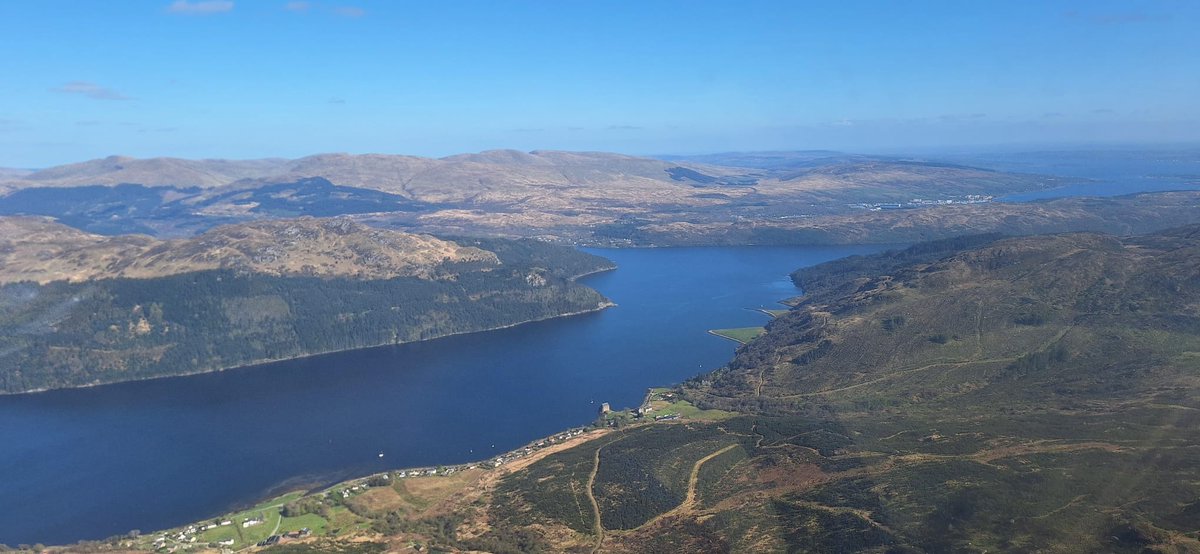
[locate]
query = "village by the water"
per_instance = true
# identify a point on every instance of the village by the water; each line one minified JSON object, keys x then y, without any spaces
{"x":245,"y":529}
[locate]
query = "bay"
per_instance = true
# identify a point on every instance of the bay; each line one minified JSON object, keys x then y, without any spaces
{"x":95,"y":462}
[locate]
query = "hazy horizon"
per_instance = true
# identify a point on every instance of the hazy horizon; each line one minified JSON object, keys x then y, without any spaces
{"x":935,"y":151}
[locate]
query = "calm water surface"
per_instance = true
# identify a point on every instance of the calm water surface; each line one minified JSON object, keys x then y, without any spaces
{"x":1104,"y":173}
{"x":91,"y":463}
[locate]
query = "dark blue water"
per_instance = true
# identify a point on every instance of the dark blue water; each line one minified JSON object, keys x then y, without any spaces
{"x":91,"y":463}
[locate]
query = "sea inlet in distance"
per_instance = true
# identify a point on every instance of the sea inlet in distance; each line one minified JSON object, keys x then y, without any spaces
{"x":96,"y":462}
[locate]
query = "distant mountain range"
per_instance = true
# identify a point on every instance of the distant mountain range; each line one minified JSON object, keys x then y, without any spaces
{"x":411,"y":176}
{"x":574,"y":196}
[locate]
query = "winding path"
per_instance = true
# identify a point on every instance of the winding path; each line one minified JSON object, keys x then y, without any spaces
{"x":689,"y":501}
{"x":597,"y":526}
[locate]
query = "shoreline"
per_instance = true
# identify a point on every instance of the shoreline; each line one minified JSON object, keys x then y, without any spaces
{"x":604,"y":305}
{"x":592,"y":272}
{"x":495,"y":466}
{"x":716,"y":334}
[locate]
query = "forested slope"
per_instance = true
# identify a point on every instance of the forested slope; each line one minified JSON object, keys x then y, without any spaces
{"x":239,"y":295}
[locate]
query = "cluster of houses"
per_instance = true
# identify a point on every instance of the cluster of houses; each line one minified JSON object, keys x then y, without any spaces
{"x":430,"y":471}
{"x":443,"y":471}
{"x":920,"y":202}
{"x":187,"y":535}
{"x":647,"y":406}
{"x":276,"y":539}
{"x":521,"y":453}
{"x":362,"y":485}
{"x":303,"y":532}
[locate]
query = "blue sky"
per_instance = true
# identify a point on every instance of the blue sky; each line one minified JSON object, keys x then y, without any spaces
{"x":243,"y":79}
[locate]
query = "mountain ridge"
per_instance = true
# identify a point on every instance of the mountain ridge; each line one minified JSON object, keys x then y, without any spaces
{"x":581,"y":197}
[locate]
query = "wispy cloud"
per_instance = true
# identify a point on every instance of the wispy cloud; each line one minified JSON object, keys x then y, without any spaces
{"x":349,"y":11}
{"x":200,"y":7}
{"x":1122,"y":18}
{"x":12,"y":125}
{"x":624,"y":128}
{"x":90,"y":90}
{"x":957,"y":118}
{"x":336,"y":100}
{"x":301,"y":6}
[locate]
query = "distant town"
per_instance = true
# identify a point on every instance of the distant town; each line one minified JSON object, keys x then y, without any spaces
{"x":922,"y":203}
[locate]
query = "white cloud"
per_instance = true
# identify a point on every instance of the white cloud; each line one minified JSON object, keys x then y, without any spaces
{"x":90,"y":90}
{"x":200,"y":7}
{"x":350,"y":11}
{"x":297,"y":6}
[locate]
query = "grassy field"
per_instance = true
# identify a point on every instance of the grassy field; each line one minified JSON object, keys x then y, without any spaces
{"x":273,"y":523}
{"x":664,"y":402}
{"x":739,"y":334}
{"x":313,"y":522}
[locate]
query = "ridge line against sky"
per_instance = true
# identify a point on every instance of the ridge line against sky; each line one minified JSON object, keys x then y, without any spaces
{"x":267,"y":78}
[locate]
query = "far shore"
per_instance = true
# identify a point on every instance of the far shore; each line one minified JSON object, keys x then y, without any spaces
{"x":253,"y":363}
